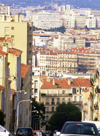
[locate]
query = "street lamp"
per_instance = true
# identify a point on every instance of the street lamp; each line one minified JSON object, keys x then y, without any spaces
{"x":20,"y":91}
{"x":28,"y":100}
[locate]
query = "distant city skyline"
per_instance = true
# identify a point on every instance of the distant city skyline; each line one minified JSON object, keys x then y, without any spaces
{"x":74,"y":3}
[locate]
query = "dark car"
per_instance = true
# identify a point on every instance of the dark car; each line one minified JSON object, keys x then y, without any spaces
{"x":25,"y":131}
{"x":72,"y":128}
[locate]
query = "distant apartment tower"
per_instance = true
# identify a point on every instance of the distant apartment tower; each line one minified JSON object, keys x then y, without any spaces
{"x":46,"y":20}
{"x":5,"y":9}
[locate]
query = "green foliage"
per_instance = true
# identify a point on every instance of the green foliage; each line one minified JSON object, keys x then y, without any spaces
{"x":41,"y":111}
{"x":96,"y":119}
{"x":58,"y":29}
{"x":2,"y":118}
{"x":64,"y":112}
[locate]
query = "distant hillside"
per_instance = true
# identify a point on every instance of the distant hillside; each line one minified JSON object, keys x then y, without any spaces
{"x":93,"y":4}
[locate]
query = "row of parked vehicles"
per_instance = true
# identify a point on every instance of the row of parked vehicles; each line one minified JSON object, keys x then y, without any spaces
{"x":70,"y":128}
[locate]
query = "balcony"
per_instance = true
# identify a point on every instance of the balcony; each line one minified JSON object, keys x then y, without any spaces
{"x":47,"y":103}
{"x":52,"y":103}
{"x":58,"y":103}
{"x":77,"y":102}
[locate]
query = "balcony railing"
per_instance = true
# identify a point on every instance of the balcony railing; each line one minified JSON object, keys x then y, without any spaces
{"x":47,"y":103}
{"x":52,"y":103}
{"x":58,"y":103}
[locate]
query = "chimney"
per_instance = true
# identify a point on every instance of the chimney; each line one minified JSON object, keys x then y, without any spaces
{"x":21,"y":18}
{"x":48,"y":79}
{"x":5,"y":48}
{"x":53,"y":81}
{"x":69,"y":81}
{"x":16,"y":17}
{"x":3,"y":17}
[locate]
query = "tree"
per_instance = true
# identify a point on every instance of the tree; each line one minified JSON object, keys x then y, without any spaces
{"x":40,"y":108}
{"x":2,"y":118}
{"x":64,"y":112}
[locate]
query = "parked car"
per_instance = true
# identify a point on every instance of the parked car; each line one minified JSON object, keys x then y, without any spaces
{"x":47,"y":133}
{"x":78,"y":128}
{"x":54,"y":133}
{"x":38,"y":132}
{"x":97,"y":123}
{"x":24,"y":131}
{"x":4,"y":131}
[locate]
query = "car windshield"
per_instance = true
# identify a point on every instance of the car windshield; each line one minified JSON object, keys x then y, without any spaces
{"x":79,"y":128}
{"x":24,"y":131}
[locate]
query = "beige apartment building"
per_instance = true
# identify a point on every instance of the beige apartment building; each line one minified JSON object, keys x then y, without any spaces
{"x":25,"y":108}
{"x":55,"y":91}
{"x":21,"y":32}
{"x":46,"y":20}
{"x":5,"y":9}
{"x":4,"y":86}
{"x":14,"y":85}
{"x":91,"y":99}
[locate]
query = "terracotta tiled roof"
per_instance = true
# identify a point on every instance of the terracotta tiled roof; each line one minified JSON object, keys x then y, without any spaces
{"x":48,"y":35}
{"x":1,"y":88}
{"x":11,"y":50}
{"x":24,"y":70}
{"x":87,"y":90}
{"x":3,"y":53}
{"x":12,"y":90}
{"x":79,"y":82}
{"x":82,"y":82}
{"x":15,"y":51}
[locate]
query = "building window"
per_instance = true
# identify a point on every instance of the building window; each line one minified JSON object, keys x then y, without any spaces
{"x":74,"y":98}
{"x":30,"y":53}
{"x":30,"y":29}
{"x":35,"y":90}
{"x":63,"y":100}
{"x":47,"y":92}
{"x":7,"y":30}
{"x":68,"y":99}
{"x":80,"y":98}
{"x":12,"y":28}
{"x":30,"y":37}
{"x":47,"y":109}
{"x":30,"y":44}
{"x":74,"y":90}
{"x":80,"y":90}
{"x":63,"y":92}
{"x":30,"y":61}
{"x":52,"y":109}
{"x":58,"y":101}
{"x":52,"y":101}
{"x":12,"y":36}
{"x":47,"y":118}
{"x":57,"y":92}
{"x":52,"y":92}
{"x":47,"y":101}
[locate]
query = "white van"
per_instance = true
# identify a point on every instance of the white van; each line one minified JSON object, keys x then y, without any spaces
{"x":4,"y":131}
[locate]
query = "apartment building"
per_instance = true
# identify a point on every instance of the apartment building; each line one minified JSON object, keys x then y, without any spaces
{"x":91,"y":102}
{"x":36,"y":83}
{"x":55,"y":91}
{"x":25,"y":108}
{"x":14,"y":84}
{"x":5,"y":9}
{"x":73,"y":60}
{"x":21,"y":33}
{"x":5,"y":90}
{"x":46,"y":20}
